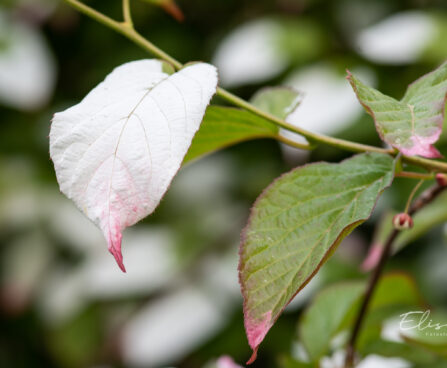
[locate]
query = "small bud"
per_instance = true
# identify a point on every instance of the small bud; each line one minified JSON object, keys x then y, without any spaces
{"x":441,"y":179}
{"x":402,"y":221}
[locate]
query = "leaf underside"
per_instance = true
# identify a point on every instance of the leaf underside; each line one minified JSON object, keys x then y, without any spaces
{"x":116,"y":152}
{"x":295,"y":225}
{"x":414,"y":123}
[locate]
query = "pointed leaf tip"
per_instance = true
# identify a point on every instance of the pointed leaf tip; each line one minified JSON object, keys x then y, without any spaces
{"x":114,"y":245}
{"x":256,"y":330}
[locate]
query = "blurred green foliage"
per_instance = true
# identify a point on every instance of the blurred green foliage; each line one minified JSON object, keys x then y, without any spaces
{"x":43,"y":247}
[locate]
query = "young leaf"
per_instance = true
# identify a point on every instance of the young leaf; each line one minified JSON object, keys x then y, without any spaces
{"x":278,"y":101}
{"x":413,"y":124}
{"x":295,"y":225}
{"x":225,"y":126}
{"x":116,"y":152}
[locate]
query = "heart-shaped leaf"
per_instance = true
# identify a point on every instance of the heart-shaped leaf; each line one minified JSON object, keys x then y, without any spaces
{"x":116,"y":152}
{"x":295,"y":225}
{"x":413,"y":124}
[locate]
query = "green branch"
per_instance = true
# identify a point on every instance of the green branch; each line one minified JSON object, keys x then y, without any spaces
{"x":126,"y":13}
{"x":126,"y":29}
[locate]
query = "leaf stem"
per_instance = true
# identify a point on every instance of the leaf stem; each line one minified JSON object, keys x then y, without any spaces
{"x":126,"y":29}
{"x":126,"y":13}
{"x":292,"y":143}
{"x":424,"y":199}
{"x":414,"y":175}
{"x":412,"y":194}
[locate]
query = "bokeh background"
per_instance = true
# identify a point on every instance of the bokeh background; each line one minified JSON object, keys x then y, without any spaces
{"x":63,"y":301}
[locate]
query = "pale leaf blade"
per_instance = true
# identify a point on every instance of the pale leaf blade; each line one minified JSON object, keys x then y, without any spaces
{"x":116,"y":152}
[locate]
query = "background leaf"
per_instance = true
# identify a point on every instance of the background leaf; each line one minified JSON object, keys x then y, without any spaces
{"x":225,"y":126}
{"x":295,"y":225}
{"x":326,"y":315}
{"x":426,"y":219}
{"x":333,"y":310}
{"x":278,"y":101}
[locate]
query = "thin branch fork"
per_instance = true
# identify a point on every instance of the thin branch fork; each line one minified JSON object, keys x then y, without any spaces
{"x":424,"y":199}
{"x":127,"y":29}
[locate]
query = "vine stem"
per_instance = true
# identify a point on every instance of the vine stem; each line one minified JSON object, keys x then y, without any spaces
{"x":424,"y":199}
{"x":126,"y":13}
{"x":414,"y":175}
{"x":126,"y":29}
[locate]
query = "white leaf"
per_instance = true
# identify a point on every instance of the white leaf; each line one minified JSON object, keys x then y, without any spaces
{"x":117,"y":151}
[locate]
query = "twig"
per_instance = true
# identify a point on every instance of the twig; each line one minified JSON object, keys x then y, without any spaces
{"x":425,"y":198}
{"x":129,"y":31}
{"x":414,"y":175}
{"x":126,"y":13}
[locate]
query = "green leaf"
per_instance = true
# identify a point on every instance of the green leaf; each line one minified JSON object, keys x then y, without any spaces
{"x":427,"y":329}
{"x":225,"y":126}
{"x":333,"y":310}
{"x":413,"y":124}
{"x":278,"y":101}
{"x":396,"y":293}
{"x":294,"y":227}
{"x":289,"y":362}
{"x":396,"y":289}
{"x":395,"y":349}
{"x":328,"y":311}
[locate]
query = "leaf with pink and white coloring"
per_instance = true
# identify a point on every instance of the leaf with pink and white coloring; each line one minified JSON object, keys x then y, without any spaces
{"x":117,"y":151}
{"x":414,"y":123}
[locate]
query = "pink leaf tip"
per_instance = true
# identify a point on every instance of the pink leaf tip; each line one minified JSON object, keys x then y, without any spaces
{"x":373,"y":257}
{"x":256,"y":331}
{"x":114,"y":241}
{"x":422,"y":146}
